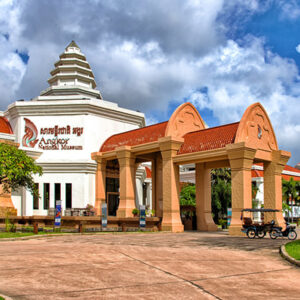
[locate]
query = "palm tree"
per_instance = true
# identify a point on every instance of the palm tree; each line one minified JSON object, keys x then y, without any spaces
{"x":290,"y":192}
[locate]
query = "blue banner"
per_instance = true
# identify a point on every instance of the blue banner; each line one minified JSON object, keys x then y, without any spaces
{"x":104,"y":215}
{"x":229,"y":216}
{"x":57,"y":220}
{"x":142,"y":216}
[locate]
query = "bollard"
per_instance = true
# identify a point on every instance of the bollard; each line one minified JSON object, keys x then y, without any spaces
{"x":35,"y":228}
{"x":80,"y":228}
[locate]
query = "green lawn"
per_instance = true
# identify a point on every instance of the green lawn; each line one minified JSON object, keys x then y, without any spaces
{"x":4,"y":235}
{"x":293,"y":249}
{"x":14,"y":234}
{"x":1,"y":298}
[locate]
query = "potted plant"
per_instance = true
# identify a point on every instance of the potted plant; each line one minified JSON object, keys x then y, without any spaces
{"x":223,"y":223}
{"x":90,"y":210}
{"x":135,"y":212}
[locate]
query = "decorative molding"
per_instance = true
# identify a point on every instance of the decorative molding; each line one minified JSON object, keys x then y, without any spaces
{"x":75,"y":107}
{"x":6,"y":136}
{"x":60,"y":167}
{"x":256,"y":129}
{"x":185,"y":119}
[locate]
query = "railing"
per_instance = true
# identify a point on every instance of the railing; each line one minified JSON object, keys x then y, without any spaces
{"x":84,"y":222}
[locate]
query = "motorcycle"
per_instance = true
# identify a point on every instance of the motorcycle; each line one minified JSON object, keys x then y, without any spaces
{"x":258,"y":229}
{"x":289,"y":232}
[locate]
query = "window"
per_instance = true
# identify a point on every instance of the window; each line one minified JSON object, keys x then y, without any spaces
{"x":36,"y":196}
{"x":46,"y":195}
{"x":68,"y":195}
{"x":57,"y":192}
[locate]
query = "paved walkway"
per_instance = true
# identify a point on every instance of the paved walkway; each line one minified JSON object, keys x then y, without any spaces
{"x":190,"y":265}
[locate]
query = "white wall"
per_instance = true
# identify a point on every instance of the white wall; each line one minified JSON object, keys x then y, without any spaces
{"x":96,"y":129}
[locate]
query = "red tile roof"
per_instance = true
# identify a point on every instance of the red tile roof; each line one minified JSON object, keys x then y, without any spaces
{"x":208,"y":139}
{"x":135,"y":137}
{"x":260,"y":173}
{"x":291,"y":169}
{"x":148,"y":172}
{"x":5,"y":126}
{"x":257,"y":173}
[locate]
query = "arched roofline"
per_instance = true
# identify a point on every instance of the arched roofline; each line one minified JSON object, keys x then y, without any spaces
{"x":184,"y":119}
{"x":253,"y":115}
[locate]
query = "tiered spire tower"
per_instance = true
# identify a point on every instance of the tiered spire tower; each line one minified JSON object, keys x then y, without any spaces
{"x":72,"y":75}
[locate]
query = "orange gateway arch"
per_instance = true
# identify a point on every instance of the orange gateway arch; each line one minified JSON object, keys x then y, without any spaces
{"x":184,"y":139}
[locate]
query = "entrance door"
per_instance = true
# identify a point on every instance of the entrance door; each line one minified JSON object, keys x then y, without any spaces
{"x":113,"y":200}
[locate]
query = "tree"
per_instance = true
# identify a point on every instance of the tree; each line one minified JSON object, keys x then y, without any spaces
{"x":290,"y":192}
{"x":221,"y":192}
{"x":188,"y":195}
{"x":16,"y":169}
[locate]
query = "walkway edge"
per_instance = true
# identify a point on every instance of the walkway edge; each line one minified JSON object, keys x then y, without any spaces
{"x":5,"y":297}
{"x":286,"y":256}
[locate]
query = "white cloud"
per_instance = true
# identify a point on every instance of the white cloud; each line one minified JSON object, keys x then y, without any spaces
{"x":298,"y":48}
{"x":289,"y":9}
{"x":12,"y":68}
{"x":239,"y":76}
{"x":144,"y":56}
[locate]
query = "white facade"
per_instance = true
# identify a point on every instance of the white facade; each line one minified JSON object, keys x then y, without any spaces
{"x":62,"y":127}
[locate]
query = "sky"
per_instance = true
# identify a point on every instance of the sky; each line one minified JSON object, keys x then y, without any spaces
{"x":152,"y":56}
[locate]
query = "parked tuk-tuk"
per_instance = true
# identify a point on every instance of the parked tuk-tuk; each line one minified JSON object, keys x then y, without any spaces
{"x":256,"y":228}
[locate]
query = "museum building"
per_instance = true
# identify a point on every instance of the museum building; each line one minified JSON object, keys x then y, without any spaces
{"x":94,"y":152}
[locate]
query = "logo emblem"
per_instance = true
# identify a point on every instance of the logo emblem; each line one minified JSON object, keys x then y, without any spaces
{"x":31,"y":133}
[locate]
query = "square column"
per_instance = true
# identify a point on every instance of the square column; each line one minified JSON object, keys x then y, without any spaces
{"x":100,"y":182}
{"x":127,"y":181}
{"x":158,"y":186}
{"x":203,"y":199}
{"x":273,"y":185}
{"x":241,"y":160}
{"x":170,"y":172}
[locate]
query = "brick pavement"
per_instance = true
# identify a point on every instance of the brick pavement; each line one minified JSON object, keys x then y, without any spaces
{"x":190,"y":265}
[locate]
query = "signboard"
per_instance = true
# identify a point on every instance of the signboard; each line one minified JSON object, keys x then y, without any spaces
{"x":57,"y":220}
{"x":104,"y":216}
{"x":229,"y":216}
{"x":142,"y":216}
{"x":53,"y":137}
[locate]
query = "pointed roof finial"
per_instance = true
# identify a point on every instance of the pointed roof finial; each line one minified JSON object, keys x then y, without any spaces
{"x":72,"y":44}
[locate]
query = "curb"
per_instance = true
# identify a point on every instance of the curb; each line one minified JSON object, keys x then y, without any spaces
{"x":5,"y":297}
{"x":36,"y":236}
{"x":285,"y":255}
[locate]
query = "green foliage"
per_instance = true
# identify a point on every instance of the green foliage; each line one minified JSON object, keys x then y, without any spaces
{"x":9,"y":226}
{"x":135,"y":211}
{"x":16,"y":169}
{"x":286,"y":208}
{"x":223,"y":222}
{"x":290,"y":190}
{"x":221,"y":192}
{"x":188,"y":195}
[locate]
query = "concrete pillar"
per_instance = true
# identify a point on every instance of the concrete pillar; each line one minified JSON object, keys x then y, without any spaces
{"x":171,"y":210}
{"x":153,"y":183}
{"x":100,"y":184}
{"x":273,"y":185}
{"x":158,"y":186}
{"x":241,"y":160}
{"x":6,"y":204}
{"x":205,"y":221}
{"x":127,"y":181}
